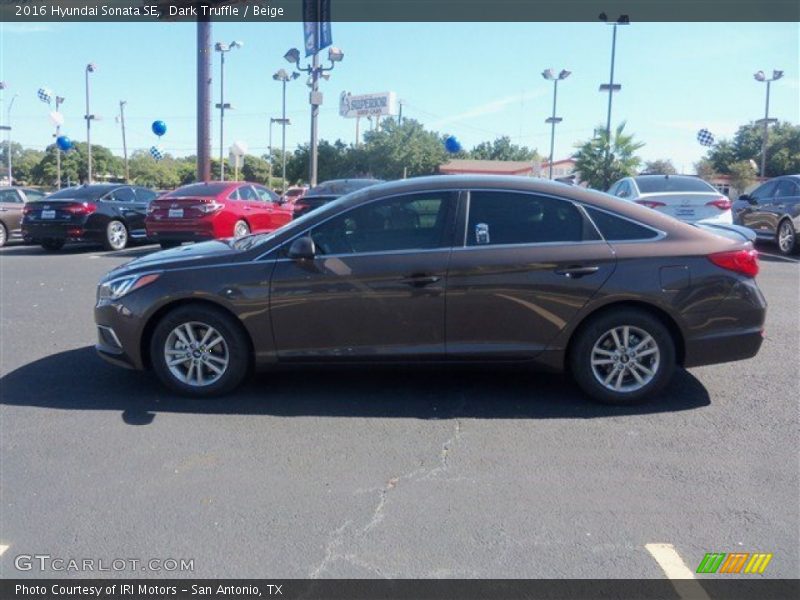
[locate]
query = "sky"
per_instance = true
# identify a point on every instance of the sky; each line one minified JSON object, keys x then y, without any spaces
{"x":476,"y":81}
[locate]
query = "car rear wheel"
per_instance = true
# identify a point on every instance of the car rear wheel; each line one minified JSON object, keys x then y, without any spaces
{"x":623,"y":357}
{"x":3,"y":235}
{"x":241,"y":229}
{"x":787,"y":238}
{"x":199,"y":351}
{"x":116,"y":235}
{"x":53,"y":245}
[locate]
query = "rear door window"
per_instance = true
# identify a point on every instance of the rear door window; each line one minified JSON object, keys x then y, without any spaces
{"x":787,"y":189}
{"x":10,"y":197}
{"x":498,"y":218}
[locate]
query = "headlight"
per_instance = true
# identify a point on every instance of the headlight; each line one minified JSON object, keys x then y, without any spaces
{"x":117,"y":288}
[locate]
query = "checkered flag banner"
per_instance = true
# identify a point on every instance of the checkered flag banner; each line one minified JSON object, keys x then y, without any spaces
{"x":705,"y":137}
{"x":156,"y":152}
{"x":45,"y":95}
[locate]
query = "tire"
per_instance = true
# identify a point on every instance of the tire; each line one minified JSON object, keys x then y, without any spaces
{"x":595,"y":342}
{"x":3,"y":235}
{"x":786,"y":238}
{"x":233,"y":351}
{"x":52,"y":245}
{"x":168,"y":245}
{"x":241,"y":229}
{"x":116,"y":237}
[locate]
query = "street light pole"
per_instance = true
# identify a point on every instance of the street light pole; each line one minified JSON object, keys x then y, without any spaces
{"x":122,"y":104}
{"x":90,"y":68}
{"x":766,"y":120}
{"x":550,"y":75}
{"x":223,"y":49}
{"x":8,"y":139}
{"x":315,"y":97}
{"x":611,"y":87}
{"x":59,"y":101}
{"x":284,"y":77}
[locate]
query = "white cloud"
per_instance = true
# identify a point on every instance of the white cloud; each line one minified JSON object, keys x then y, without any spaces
{"x":489,"y":108}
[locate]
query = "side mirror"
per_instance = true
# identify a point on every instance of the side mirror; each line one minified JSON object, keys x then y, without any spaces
{"x":303,"y":248}
{"x":747,"y":198}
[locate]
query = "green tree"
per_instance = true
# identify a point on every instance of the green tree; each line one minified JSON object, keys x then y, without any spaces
{"x":743,"y":174}
{"x":704,"y":169}
{"x":397,"y":150}
{"x":600,"y":165}
{"x":783,"y":149}
{"x":255,"y":169}
{"x":661,"y":166}
{"x":503,"y":149}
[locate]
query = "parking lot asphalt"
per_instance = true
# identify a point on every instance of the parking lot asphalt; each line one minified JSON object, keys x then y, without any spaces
{"x":382,"y":472}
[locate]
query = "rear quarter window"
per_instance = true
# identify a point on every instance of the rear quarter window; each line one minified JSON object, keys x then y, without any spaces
{"x":618,"y":229}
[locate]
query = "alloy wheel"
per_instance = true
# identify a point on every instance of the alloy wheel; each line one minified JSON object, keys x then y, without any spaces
{"x":3,"y":237}
{"x":241,"y":229}
{"x":117,"y":235}
{"x":625,"y":359}
{"x":786,"y":237}
{"x":196,"y":354}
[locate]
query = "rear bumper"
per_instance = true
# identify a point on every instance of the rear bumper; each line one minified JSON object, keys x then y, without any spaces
{"x":196,"y":231}
{"x":723,"y":347}
{"x":58,"y":231}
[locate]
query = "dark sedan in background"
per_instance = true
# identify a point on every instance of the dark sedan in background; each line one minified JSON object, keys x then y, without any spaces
{"x":111,"y":214}
{"x":772,"y":211}
{"x":448,"y":268}
{"x":328,"y":191}
{"x":12,"y":201}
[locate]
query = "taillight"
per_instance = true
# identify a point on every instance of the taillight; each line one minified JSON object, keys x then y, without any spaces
{"x":744,"y":262}
{"x":27,"y":209}
{"x":85,"y":208}
{"x":721,"y":203}
{"x":209,"y":207}
{"x":650,"y":203}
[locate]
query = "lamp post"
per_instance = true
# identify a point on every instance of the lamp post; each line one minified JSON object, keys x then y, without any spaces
{"x":283,"y":122}
{"x":7,"y":127}
{"x":59,"y":102}
{"x":90,"y":68}
{"x":223,"y":49}
{"x":284,"y":78}
{"x":315,"y":71}
{"x":122,"y":104}
{"x":550,"y":75}
{"x":611,"y":87}
{"x":766,"y":120}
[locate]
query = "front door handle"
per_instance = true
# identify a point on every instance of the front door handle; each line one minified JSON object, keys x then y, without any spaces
{"x":420,"y":280}
{"x":577,"y":271}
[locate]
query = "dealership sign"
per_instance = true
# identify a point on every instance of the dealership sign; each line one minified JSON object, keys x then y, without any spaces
{"x":367,"y":105}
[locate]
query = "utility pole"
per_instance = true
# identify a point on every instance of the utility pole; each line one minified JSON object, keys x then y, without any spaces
{"x":203,"y":99}
{"x":122,"y":104}
{"x":90,"y":68}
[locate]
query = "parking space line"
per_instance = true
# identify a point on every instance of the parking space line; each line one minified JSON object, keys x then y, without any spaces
{"x":3,"y":548}
{"x":778,"y":256}
{"x":682,"y":578}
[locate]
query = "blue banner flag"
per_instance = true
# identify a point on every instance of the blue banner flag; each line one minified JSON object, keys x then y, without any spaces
{"x":316,"y":25}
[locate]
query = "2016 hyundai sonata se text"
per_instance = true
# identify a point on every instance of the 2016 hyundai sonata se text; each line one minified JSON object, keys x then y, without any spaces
{"x":449,"y":269}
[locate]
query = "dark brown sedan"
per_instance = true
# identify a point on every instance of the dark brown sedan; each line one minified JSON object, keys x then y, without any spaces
{"x":12,"y":201}
{"x":451,"y":269}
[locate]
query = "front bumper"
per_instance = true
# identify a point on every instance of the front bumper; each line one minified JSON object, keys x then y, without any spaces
{"x":118,"y":335}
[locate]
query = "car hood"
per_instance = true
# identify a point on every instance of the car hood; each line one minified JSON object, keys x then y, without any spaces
{"x":201,"y":253}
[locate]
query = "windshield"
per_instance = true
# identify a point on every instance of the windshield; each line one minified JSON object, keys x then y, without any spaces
{"x":654,"y":185}
{"x":199,"y":189}
{"x":81,"y":193}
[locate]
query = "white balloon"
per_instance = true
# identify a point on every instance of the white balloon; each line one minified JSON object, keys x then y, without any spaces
{"x":239,"y":148}
{"x":56,"y":118}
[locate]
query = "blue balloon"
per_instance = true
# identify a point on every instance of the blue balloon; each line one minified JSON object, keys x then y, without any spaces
{"x":452,"y":145}
{"x":64,"y":143}
{"x":159,"y":128}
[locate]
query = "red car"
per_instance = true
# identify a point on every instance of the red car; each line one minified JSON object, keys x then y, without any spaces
{"x":212,"y":210}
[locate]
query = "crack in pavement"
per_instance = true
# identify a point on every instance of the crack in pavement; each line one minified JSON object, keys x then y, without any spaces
{"x":338,"y":537}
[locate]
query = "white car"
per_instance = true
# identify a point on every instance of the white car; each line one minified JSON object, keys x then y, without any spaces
{"x":686,"y":198}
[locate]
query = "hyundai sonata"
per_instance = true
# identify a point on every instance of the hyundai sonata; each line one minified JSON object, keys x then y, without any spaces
{"x":451,"y":269}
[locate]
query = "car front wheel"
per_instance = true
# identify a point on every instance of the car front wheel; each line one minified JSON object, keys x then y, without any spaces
{"x":623,"y":357}
{"x":787,"y":238}
{"x":199,"y":351}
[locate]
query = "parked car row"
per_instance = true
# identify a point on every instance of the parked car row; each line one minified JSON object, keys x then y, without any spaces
{"x":771,"y":211}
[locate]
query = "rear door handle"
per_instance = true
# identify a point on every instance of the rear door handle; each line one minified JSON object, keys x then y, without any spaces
{"x":420,"y":280}
{"x":577,"y":271}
